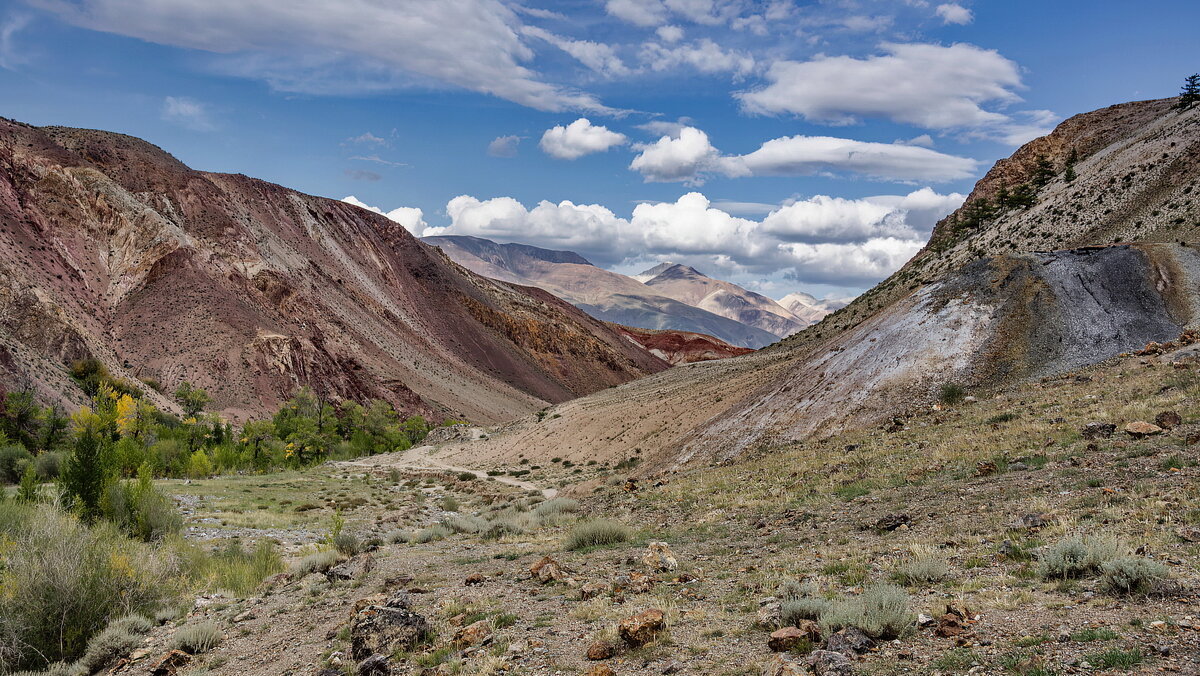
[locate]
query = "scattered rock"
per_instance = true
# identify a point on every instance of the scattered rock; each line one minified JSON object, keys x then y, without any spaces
{"x":633,"y":583}
{"x":1168,"y":420}
{"x":547,"y":570}
{"x":892,"y":522}
{"x":386,"y":628}
{"x":171,"y":663}
{"x":591,"y":590}
{"x":672,"y":667}
{"x":786,"y":665}
{"x":244,"y":615}
{"x":1098,"y":430}
{"x":642,"y":628}
{"x":849,"y":641}
{"x":1031,"y":521}
{"x":924,"y":620}
{"x":769,"y":613}
{"x":1017,"y":467}
{"x":986,"y":468}
{"x":476,"y":633}
{"x":659,"y":557}
{"x":829,"y":663}
{"x":375,"y":665}
{"x":787,"y":638}
{"x":474,"y":579}
{"x":1189,"y":533}
{"x":600,"y":670}
{"x":1139,"y":429}
{"x":351,"y":569}
{"x":601,"y":650}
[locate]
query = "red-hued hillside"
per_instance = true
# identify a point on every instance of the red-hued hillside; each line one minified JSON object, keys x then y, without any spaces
{"x":110,"y":247}
{"x":682,"y":347}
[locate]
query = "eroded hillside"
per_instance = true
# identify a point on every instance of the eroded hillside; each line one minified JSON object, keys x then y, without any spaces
{"x":110,"y":247}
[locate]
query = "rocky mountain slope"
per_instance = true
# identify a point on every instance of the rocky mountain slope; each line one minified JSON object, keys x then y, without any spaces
{"x":603,"y":294}
{"x":682,"y":347}
{"x":1013,"y":294}
{"x":111,"y":248}
{"x":688,"y":285}
{"x":810,"y":310}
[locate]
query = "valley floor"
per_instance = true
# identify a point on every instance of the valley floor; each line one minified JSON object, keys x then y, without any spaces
{"x":967,"y":498}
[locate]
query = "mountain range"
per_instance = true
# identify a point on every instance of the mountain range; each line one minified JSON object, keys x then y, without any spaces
{"x":668,"y":296}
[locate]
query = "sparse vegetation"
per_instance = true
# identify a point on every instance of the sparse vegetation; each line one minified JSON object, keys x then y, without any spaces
{"x":1076,"y":557}
{"x":596,"y":533}
{"x":198,"y":637}
{"x":1132,"y":575}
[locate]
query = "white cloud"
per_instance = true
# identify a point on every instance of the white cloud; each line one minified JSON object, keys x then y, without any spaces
{"x":1027,"y":125}
{"x":690,"y":157}
{"x":186,"y":112}
{"x":665,"y":128}
{"x":638,"y":12}
{"x":925,"y":85}
{"x":685,"y":157}
{"x":316,"y":46}
{"x":597,"y":56}
{"x":804,"y":155}
{"x":10,"y":55}
{"x":579,"y":138}
{"x":367,"y":139}
{"x":504,"y":146}
{"x":954,"y":13}
{"x":377,"y":160}
{"x":412,"y":218}
{"x":819,"y":240}
{"x":703,"y":55}
{"x":669,"y":33}
{"x":923,"y":140}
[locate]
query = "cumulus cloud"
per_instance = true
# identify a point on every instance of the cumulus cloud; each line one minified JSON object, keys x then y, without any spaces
{"x":349,"y":46}
{"x":412,"y":218}
{"x":669,"y":33}
{"x":704,"y":55}
{"x":187,"y":112}
{"x":926,"y":85}
{"x":579,"y":138}
{"x":954,"y":13}
{"x":690,"y":157}
{"x":504,"y":146}
{"x":820,"y":239}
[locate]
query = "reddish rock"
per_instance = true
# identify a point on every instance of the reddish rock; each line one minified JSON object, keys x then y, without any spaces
{"x":1141,"y":429}
{"x":642,"y":628}
{"x":1168,"y":420}
{"x":547,"y":570}
{"x":601,"y":650}
{"x":681,"y":347}
{"x":474,"y":579}
{"x":171,"y":663}
{"x":600,"y":670}
{"x":476,"y":633}
{"x":788,"y":638}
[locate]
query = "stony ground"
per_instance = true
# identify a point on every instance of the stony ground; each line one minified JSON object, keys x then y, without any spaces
{"x":975,"y":491}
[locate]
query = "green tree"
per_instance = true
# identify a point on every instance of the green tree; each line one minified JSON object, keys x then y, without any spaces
{"x":1043,"y":172}
{"x":191,"y":399}
{"x":1190,"y":94}
{"x":255,"y":433}
{"x":28,"y":490}
{"x":86,"y":475}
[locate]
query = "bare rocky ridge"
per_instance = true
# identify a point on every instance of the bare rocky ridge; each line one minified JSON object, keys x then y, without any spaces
{"x":110,"y":247}
{"x":688,"y":285}
{"x":682,"y":347}
{"x":980,"y":309}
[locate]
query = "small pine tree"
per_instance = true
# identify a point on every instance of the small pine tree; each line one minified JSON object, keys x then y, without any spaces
{"x":1190,"y":94}
{"x":1043,"y":172}
{"x":28,"y":490}
{"x":1069,"y":172}
{"x":86,"y":473}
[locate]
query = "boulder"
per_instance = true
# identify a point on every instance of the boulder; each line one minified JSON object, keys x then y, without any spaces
{"x":386,"y":628}
{"x":633,"y":583}
{"x":375,"y":665}
{"x":1098,"y":430}
{"x":351,"y":569}
{"x":786,"y":665}
{"x":1168,"y":420}
{"x":547,"y":570}
{"x":1140,"y":429}
{"x":642,"y":628}
{"x":474,"y":579}
{"x":849,"y":641}
{"x":601,"y":650}
{"x":788,"y":638}
{"x":769,"y":614}
{"x":659,"y":557}
{"x":171,"y":663}
{"x":591,"y":590}
{"x":476,"y":633}
{"x":829,"y":663}
{"x":600,"y":670}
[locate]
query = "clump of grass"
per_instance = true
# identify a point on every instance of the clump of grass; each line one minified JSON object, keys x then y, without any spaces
{"x":1132,"y":575}
{"x":318,"y":562}
{"x":596,"y":533}
{"x":1097,"y":634}
{"x":1115,"y":659}
{"x":1001,"y":418}
{"x":882,"y":611}
{"x":952,"y":393}
{"x":557,"y":507}
{"x":957,"y":660}
{"x":431,"y":534}
{"x":465,"y":524}
{"x":197,"y":638}
{"x":923,"y":568}
{"x":1076,"y":557}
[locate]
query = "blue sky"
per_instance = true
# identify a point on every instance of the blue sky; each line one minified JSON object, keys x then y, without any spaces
{"x":786,"y":145}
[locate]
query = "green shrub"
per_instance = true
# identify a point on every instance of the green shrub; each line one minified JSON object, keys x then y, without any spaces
{"x":397,"y":536}
{"x":12,"y":462}
{"x":450,"y":503}
{"x":48,"y":464}
{"x":921,"y":569}
{"x":1132,"y":575}
{"x":198,"y":637}
{"x":465,"y":524}
{"x":48,"y":613}
{"x":596,"y":533}
{"x":556,"y":507}
{"x":436,"y":532}
{"x":951,"y":393}
{"x":318,"y":562}
{"x":1115,"y":659}
{"x":1076,"y":557}
{"x":882,"y":611}
{"x":118,"y":639}
{"x":140,"y":509}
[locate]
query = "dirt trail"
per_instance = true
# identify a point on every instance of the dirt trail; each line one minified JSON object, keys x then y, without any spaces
{"x":421,"y":458}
